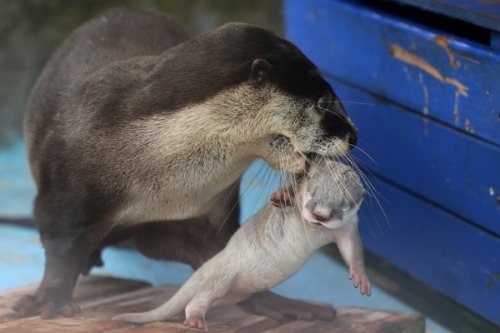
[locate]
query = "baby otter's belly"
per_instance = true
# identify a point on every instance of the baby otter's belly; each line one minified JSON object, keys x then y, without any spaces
{"x":264,"y":268}
{"x":264,"y":278}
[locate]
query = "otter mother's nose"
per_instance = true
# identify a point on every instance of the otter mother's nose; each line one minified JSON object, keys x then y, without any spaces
{"x":335,"y":120}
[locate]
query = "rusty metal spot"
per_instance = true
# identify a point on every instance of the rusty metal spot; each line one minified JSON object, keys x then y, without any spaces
{"x":443,"y":42}
{"x":403,"y":55}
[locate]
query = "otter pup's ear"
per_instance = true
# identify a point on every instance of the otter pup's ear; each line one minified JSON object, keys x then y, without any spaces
{"x":260,"y":71}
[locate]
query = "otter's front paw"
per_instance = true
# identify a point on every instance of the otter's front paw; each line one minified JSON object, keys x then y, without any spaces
{"x":361,"y":281}
{"x":281,"y":199}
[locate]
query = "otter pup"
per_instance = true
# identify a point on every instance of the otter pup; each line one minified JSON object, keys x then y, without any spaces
{"x":136,"y":132}
{"x":273,"y":245}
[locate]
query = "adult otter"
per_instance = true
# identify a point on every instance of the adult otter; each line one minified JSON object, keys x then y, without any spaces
{"x":273,"y":245}
{"x":131,"y":125}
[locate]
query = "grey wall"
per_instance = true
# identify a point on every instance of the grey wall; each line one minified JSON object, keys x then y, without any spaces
{"x":30,"y":30}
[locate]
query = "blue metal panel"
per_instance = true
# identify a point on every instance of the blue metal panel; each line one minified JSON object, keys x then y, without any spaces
{"x":459,"y":260}
{"x":450,"y":168}
{"x":482,"y":13}
{"x":427,"y":159}
{"x":441,"y":77}
{"x":434,"y":133}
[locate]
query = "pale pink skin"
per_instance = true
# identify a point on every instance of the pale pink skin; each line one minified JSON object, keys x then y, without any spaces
{"x":196,"y":322}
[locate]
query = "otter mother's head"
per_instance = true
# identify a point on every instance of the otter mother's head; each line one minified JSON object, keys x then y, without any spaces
{"x":307,"y":116}
{"x":264,"y":87}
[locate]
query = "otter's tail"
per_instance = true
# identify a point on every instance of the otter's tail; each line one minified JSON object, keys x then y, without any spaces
{"x":167,"y":310}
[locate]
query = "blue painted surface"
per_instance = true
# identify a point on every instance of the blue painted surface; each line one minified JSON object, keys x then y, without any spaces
{"x":461,"y":180}
{"x":435,"y":142}
{"x":438,"y":248}
{"x":360,"y":53}
{"x":446,"y":166}
{"x":482,"y":13}
{"x":16,"y":186}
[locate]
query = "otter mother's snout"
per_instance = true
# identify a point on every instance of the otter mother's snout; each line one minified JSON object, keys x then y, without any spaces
{"x":335,"y":121}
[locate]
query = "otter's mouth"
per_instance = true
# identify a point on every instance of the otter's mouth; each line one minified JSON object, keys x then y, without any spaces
{"x":316,"y":224}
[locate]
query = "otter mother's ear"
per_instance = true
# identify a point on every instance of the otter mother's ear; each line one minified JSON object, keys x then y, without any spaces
{"x":260,"y":71}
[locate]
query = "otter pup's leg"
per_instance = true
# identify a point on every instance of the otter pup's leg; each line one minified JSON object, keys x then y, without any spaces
{"x":281,"y":199}
{"x":351,"y":248}
{"x":213,"y":289}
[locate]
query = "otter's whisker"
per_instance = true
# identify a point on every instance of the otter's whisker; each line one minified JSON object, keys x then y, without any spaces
{"x":357,"y":103}
{"x":365,"y":153}
{"x":226,"y":218}
{"x":371,"y":190}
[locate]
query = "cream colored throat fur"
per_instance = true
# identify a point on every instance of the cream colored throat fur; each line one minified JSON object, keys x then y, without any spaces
{"x":225,"y":134}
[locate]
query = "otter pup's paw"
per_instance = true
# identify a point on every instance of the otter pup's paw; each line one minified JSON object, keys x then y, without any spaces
{"x":29,"y":305}
{"x":285,"y":309}
{"x":361,"y":281}
{"x":281,"y":199}
{"x":196,"y":322}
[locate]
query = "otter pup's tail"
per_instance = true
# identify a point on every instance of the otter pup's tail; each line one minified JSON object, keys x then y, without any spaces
{"x":167,"y":310}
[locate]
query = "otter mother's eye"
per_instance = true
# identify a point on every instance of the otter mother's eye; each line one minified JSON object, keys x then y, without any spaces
{"x":330,"y":103}
{"x":322,"y":105}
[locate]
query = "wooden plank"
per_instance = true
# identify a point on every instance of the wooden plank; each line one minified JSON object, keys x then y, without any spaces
{"x":350,"y":319}
{"x":438,"y":75}
{"x":100,"y":307}
{"x":439,"y":249}
{"x":447,"y":167}
{"x":94,"y":288}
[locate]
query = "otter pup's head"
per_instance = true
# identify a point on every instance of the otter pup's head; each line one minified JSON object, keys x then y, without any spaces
{"x":331,"y":194}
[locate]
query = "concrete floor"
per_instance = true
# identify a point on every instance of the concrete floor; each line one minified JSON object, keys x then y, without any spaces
{"x":21,"y":256}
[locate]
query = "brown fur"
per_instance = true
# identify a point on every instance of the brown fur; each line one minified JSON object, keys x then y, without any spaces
{"x":133,"y":131}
